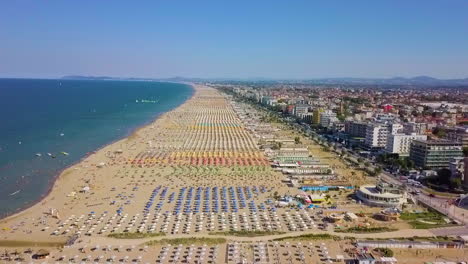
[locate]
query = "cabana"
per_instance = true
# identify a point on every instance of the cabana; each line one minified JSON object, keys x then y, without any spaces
{"x":41,"y":254}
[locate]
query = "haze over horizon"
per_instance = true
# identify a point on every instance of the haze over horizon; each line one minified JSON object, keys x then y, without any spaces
{"x":241,"y":39}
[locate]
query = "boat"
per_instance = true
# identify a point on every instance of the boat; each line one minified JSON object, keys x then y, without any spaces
{"x":65,"y":153}
{"x":62,"y":134}
{"x":52,"y":156}
{"x":146,"y":101}
{"x":38,"y":154}
{"x":15,"y":192}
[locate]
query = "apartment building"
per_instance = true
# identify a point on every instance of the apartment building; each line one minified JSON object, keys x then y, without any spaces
{"x":459,"y":134}
{"x":400,"y":143}
{"x":434,"y":154}
{"x":376,"y":135}
{"x":327,"y":118}
{"x":356,"y":129}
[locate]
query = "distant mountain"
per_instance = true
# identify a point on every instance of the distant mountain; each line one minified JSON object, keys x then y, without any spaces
{"x":414,"y":81}
{"x":418,"y":80}
{"x":80,"y":77}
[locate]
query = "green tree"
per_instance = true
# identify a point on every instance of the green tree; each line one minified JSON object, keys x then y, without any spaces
{"x":297,"y":140}
{"x":456,"y":183}
{"x":440,"y":132}
{"x":377,"y":170}
{"x":443,"y":176}
{"x":465,"y":151}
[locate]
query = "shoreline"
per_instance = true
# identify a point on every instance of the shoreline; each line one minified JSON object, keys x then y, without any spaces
{"x":53,"y":180}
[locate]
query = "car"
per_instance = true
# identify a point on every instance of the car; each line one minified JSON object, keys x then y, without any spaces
{"x":431,"y":195}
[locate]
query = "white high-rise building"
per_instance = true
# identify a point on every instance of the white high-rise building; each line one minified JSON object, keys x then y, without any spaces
{"x":301,"y":109}
{"x":400,"y":143}
{"x":395,"y":128}
{"x":376,"y":135}
{"x":327,"y":118}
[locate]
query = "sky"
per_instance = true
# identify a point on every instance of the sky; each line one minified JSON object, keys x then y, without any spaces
{"x":234,"y":39}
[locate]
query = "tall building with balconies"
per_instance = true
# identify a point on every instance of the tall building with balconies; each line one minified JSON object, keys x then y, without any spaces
{"x":356,"y":129}
{"x":400,"y":143}
{"x":434,"y":154}
{"x":459,"y":134}
{"x":327,"y":118}
{"x":376,"y":135}
{"x":301,"y":109}
{"x":317,"y":113}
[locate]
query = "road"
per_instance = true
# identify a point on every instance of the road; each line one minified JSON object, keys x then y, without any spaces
{"x":443,"y":206}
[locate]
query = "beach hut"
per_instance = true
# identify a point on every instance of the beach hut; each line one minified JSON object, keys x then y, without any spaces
{"x":41,"y":254}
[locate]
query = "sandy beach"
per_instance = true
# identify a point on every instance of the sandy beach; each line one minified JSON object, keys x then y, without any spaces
{"x":195,"y":173}
{"x":201,"y":143}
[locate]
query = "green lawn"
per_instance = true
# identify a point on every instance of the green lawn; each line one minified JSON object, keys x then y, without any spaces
{"x":425,"y":220}
{"x":248,"y":233}
{"x":136,"y":235}
{"x":309,"y":237}
{"x":186,"y":241}
{"x":360,"y":230}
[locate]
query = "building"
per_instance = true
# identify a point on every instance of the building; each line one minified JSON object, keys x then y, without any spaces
{"x":395,"y":128}
{"x":328,"y":118}
{"x":417,"y":128}
{"x":317,"y":113}
{"x":290,"y":109}
{"x":459,"y":134}
{"x":385,"y":117}
{"x":434,"y":154}
{"x":301,"y":109}
{"x":465,"y":174}
{"x":387,"y":107}
{"x":400,"y":143}
{"x":382,"y":195}
{"x":361,"y":258}
{"x":376,"y":135}
{"x":410,"y":244}
{"x":356,"y":129}
{"x":308,"y":118}
{"x":457,"y":167}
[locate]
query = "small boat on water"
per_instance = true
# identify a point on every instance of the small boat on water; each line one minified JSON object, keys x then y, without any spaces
{"x":49,"y":154}
{"x":146,"y":101}
{"x":15,"y":192}
{"x":62,"y":134}
{"x":38,"y":154}
{"x":65,"y":153}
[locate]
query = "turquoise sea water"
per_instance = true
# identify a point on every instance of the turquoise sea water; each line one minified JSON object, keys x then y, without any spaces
{"x":77,"y":117}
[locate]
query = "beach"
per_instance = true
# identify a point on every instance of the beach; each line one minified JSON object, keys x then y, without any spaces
{"x":192,"y":185}
{"x":41,"y":137}
{"x":119,"y":178}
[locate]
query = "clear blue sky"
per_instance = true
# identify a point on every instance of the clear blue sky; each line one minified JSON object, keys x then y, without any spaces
{"x":235,"y":39}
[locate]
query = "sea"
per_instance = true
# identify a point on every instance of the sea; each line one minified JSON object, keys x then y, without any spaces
{"x":77,"y":117}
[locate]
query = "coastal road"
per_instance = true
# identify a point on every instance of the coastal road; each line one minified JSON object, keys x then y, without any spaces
{"x":443,"y":206}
